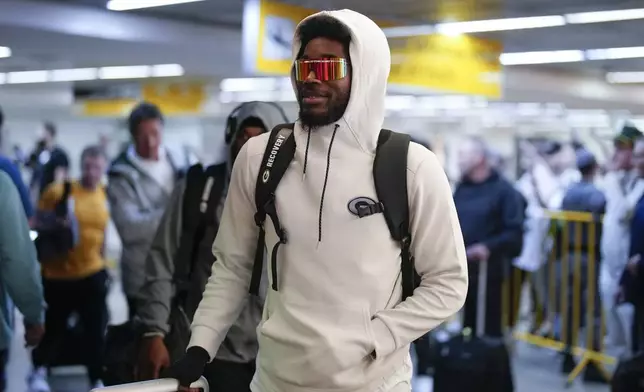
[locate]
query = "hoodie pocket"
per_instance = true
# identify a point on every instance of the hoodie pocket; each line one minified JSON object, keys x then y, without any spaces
{"x":316,"y":345}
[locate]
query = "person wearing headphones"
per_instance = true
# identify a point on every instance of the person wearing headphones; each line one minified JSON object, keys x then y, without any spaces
{"x":233,"y":368}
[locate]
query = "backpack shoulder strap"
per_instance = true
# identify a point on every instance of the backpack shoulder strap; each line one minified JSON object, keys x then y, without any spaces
{"x":390,"y":177}
{"x":278,"y":155}
{"x":62,"y":207}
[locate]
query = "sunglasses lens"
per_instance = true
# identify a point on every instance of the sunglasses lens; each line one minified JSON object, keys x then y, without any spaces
{"x":323,"y":70}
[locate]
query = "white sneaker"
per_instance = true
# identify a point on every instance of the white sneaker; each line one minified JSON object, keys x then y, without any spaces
{"x":98,"y":384}
{"x":37,"y":381}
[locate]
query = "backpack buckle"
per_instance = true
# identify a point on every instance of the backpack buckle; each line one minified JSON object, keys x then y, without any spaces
{"x":365,"y":209}
{"x":259,"y":219}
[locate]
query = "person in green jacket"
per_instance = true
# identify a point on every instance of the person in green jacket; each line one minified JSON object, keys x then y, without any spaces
{"x":19,"y":274}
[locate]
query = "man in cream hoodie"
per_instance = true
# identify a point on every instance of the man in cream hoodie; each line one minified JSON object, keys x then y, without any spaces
{"x":338,"y":322}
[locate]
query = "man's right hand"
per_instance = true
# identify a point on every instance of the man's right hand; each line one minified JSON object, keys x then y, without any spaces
{"x":189,"y":368}
{"x":153,"y":358}
{"x":33,"y":334}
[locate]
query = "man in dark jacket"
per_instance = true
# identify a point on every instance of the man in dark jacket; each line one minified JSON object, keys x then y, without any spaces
{"x":632,"y":280}
{"x":582,"y":196}
{"x":234,"y":365}
{"x":49,"y":161}
{"x":491,"y":213}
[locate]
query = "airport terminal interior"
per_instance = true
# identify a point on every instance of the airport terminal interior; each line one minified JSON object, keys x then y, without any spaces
{"x":549,"y":92}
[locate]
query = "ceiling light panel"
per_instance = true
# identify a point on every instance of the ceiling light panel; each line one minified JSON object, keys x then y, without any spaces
{"x":125,"y":72}
{"x":126,"y":5}
{"x":167,"y":70}
{"x":547,"y":57}
{"x":605,"y":16}
{"x":480,"y":26}
{"x":615,"y":53}
{"x":625,"y":77}
{"x":73,"y":75}
{"x":27,"y":77}
{"x":4,"y":52}
{"x":82,"y":74}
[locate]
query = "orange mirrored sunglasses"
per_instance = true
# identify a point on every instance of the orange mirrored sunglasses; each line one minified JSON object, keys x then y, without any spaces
{"x":323,"y":69}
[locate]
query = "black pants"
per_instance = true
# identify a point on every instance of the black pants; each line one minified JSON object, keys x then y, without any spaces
{"x":4,"y":358}
{"x":493,"y":304}
{"x":638,"y":328}
{"x":424,"y":360}
{"x":86,"y":298}
{"x":225,"y":376}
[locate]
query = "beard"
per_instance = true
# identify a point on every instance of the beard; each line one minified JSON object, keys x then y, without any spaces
{"x":335,"y":109}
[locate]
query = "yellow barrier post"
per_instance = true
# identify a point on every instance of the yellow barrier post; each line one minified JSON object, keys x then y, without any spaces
{"x":584,"y":260}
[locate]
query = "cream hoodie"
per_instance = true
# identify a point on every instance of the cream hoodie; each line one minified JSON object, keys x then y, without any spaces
{"x":337,"y":322}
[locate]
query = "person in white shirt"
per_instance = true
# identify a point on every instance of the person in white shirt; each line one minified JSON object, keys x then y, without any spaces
{"x":622,"y":188}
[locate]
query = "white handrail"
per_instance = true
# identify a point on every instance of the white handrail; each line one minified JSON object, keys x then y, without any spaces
{"x":162,"y":385}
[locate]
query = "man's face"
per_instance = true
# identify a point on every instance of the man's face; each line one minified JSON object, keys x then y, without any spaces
{"x":623,"y":156}
{"x":469,"y":157}
{"x":323,"y":102}
{"x":242,"y":137}
{"x":92,"y":170}
{"x":147,"y":138}
{"x":638,"y":157}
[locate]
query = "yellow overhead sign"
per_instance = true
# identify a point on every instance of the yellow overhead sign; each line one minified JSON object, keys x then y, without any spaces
{"x":460,"y":64}
{"x":463,"y":64}
{"x":173,"y":99}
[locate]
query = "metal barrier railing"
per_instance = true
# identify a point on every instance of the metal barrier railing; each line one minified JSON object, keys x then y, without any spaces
{"x":572,"y":301}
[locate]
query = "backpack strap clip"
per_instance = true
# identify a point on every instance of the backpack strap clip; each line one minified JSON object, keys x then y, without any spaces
{"x":271,"y":211}
{"x":365,"y":209}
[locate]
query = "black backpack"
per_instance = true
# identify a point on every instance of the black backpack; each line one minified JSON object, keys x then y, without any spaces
{"x":204,"y":189}
{"x":55,"y":238}
{"x":390,"y":177}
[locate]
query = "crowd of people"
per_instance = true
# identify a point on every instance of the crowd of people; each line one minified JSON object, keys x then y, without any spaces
{"x":317,"y":279}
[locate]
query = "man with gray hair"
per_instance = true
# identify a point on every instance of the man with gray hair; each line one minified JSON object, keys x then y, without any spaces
{"x":491,"y":213}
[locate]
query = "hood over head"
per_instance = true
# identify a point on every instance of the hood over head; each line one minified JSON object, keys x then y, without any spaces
{"x":370,"y":62}
{"x":269,"y":113}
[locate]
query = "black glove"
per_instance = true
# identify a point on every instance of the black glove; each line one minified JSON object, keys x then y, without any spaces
{"x":190,"y":367}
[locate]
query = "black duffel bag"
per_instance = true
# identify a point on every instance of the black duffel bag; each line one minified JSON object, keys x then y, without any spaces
{"x":57,"y":230}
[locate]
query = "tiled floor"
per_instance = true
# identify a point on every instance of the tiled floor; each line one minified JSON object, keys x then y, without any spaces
{"x":535,"y":369}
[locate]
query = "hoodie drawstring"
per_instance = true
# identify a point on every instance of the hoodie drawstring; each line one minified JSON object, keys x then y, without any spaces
{"x":326,"y":179}
{"x":306,"y":151}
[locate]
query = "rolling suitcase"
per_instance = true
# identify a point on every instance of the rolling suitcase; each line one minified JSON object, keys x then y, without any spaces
{"x":629,"y":376}
{"x":474,"y":362}
{"x":162,"y":385}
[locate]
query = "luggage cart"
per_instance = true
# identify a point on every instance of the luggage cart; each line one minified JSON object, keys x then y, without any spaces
{"x":162,"y":385}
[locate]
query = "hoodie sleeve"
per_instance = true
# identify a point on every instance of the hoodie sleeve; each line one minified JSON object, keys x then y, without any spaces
{"x":156,"y":294}
{"x":234,"y":250}
{"x":19,"y":268}
{"x":132,"y":224}
{"x":437,"y":245}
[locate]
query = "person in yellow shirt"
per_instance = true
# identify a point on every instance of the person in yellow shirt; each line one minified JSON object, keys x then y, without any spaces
{"x":78,"y":282}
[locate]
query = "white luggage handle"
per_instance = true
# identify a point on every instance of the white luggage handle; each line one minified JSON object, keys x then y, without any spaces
{"x":162,"y":385}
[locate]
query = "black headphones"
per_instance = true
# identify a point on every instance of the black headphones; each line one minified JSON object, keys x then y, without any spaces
{"x":231,"y":121}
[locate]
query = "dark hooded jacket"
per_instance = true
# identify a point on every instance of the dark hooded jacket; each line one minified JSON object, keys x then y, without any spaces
{"x":157,"y":293}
